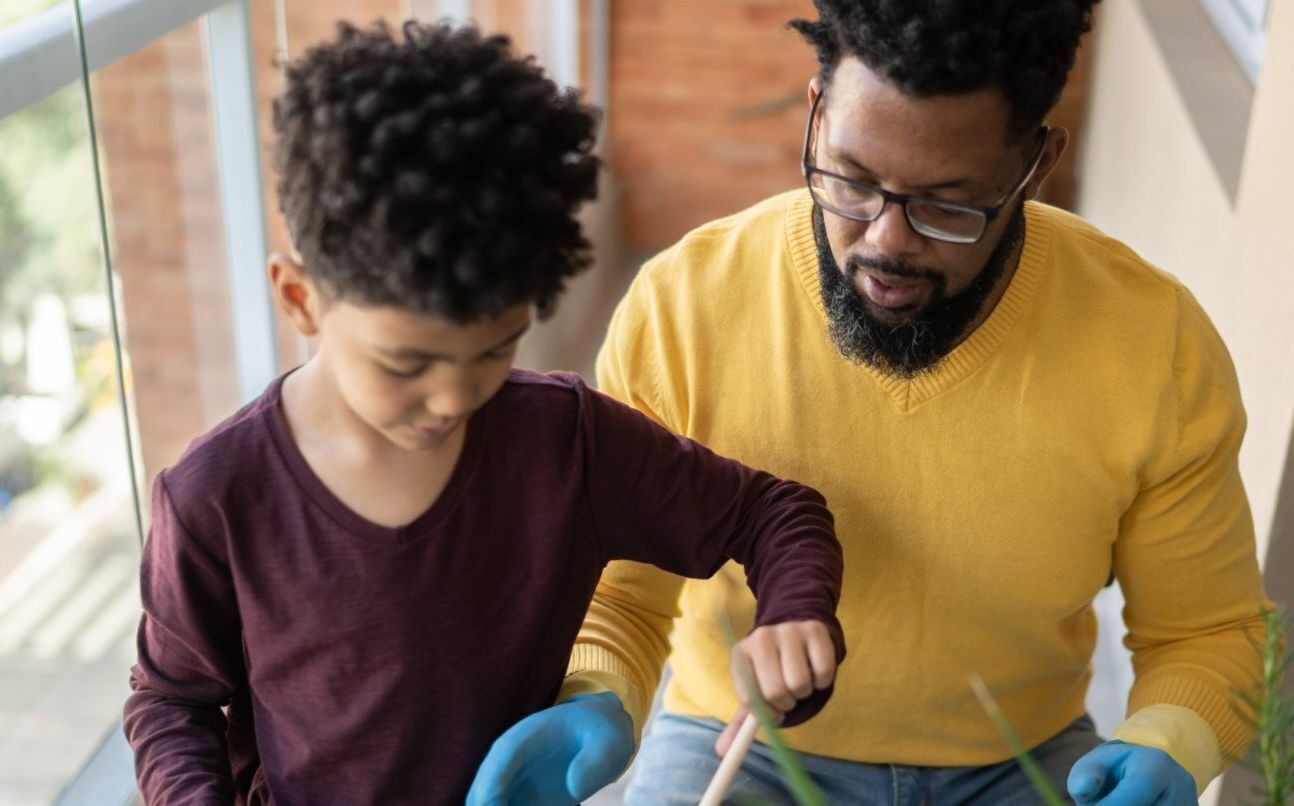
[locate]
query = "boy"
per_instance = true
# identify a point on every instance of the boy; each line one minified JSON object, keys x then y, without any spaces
{"x":362,"y":579}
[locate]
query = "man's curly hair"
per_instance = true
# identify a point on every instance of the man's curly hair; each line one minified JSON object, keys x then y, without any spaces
{"x":434,"y":171}
{"x":944,"y":47}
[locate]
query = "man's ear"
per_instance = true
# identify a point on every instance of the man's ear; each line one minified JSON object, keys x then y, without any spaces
{"x":295,"y":294}
{"x":1057,"y":142}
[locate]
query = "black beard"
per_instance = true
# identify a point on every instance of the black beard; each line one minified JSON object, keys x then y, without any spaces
{"x":914,"y":345}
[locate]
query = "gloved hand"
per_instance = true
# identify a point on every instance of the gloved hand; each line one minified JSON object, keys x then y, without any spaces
{"x":560,"y":755}
{"x":1120,"y":774}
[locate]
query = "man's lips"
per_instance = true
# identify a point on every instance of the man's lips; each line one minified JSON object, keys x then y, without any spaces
{"x":890,"y":291}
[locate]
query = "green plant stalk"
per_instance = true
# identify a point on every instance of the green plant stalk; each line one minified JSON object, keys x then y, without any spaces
{"x":1022,"y":757}
{"x":803,"y":790}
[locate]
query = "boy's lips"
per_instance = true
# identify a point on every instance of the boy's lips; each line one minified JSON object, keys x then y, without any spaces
{"x":435,"y":432}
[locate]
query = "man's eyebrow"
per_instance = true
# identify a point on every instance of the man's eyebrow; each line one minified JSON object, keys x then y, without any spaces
{"x":406,"y":353}
{"x":963,"y":183}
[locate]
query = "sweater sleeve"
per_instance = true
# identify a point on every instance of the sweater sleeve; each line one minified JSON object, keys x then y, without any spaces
{"x":1186,"y":560}
{"x":190,"y":660}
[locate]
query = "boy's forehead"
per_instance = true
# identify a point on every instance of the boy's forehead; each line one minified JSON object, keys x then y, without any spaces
{"x":393,"y":329}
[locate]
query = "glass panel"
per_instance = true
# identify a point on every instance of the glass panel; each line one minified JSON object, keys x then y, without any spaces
{"x":68,"y":539}
{"x":69,"y":543}
{"x":15,"y":10}
{"x":152,"y":111}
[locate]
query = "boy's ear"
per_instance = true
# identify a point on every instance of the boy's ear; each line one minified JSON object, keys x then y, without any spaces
{"x":296,"y":296}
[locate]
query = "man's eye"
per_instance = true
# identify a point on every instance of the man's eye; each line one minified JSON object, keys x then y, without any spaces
{"x":938,"y":212}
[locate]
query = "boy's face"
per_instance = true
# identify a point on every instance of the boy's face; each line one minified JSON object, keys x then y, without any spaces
{"x":414,"y":378}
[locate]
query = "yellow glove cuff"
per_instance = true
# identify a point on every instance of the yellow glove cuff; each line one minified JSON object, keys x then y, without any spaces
{"x":1179,"y":732}
{"x":596,"y":682}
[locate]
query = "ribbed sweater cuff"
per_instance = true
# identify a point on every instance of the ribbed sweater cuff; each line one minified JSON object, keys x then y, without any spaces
{"x":593,"y":669}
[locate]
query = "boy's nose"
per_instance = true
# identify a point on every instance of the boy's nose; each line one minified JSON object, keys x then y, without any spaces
{"x":454,"y":399}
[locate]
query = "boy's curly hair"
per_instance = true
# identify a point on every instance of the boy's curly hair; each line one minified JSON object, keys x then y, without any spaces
{"x":433,"y":171}
{"x":943,"y":47}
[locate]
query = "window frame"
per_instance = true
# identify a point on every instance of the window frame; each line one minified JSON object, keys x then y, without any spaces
{"x":1243,"y":25}
{"x":38,"y":57}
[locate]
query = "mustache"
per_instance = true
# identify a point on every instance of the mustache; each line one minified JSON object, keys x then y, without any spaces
{"x":896,"y":268}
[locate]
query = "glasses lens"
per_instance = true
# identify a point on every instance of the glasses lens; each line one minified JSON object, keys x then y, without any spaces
{"x":848,"y":198}
{"x":953,"y":224}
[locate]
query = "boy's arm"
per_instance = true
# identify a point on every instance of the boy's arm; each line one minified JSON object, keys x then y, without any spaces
{"x":190,"y":660}
{"x":666,"y":500}
{"x":624,"y":641}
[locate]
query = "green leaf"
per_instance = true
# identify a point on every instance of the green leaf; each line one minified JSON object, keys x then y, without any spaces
{"x":1036,"y":776}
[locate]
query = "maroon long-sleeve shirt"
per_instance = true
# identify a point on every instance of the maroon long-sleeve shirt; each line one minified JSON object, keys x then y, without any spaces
{"x":291,"y":649}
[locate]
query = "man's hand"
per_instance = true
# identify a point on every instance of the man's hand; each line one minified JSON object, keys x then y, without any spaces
{"x":786,"y":663}
{"x":1121,"y":774}
{"x":560,"y":755}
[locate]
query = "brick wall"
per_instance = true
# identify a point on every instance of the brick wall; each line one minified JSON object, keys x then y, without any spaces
{"x":706,"y":116}
{"x":155,"y":130}
{"x":708,"y":108}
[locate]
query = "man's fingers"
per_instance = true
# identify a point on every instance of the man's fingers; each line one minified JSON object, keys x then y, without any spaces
{"x":596,"y":765}
{"x":1093,"y":776}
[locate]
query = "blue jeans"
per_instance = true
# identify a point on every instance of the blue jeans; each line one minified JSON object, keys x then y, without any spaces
{"x":677,"y":761}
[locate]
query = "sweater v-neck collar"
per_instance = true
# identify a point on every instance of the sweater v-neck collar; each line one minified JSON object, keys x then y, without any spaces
{"x":975,"y":350}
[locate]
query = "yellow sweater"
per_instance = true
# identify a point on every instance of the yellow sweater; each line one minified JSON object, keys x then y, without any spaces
{"x":1090,"y":426}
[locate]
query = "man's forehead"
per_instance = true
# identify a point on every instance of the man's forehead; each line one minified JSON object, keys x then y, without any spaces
{"x":872,"y":123}
{"x":859,"y":94}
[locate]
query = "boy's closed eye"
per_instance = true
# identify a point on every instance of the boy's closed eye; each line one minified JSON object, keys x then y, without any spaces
{"x":412,"y":371}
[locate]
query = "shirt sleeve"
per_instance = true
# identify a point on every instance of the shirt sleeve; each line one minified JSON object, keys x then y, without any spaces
{"x":189,"y":665}
{"x":626,"y":631}
{"x":1187,"y":563}
{"x":666,"y":500}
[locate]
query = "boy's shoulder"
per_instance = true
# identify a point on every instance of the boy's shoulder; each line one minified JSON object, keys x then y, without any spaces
{"x":236,"y":451}
{"x":555,"y":403}
{"x":529,"y":392}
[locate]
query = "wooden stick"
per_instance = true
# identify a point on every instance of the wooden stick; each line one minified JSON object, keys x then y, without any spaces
{"x":731,"y":763}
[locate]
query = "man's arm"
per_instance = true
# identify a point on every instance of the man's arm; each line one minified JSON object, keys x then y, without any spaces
{"x":1187,"y":563}
{"x":189,"y":663}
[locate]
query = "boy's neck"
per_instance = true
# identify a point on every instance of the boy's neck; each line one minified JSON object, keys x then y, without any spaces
{"x":377,"y":479}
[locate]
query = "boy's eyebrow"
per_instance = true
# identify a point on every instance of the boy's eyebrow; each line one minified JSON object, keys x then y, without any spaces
{"x":410,"y":353}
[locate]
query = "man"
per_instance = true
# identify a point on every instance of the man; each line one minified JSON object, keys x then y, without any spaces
{"x":1004,"y":407}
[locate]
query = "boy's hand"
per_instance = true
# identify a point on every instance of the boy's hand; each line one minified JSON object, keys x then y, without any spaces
{"x":560,"y":755}
{"x":787,"y":662}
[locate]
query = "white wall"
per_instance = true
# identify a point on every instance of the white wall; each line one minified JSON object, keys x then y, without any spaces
{"x":1146,"y":179}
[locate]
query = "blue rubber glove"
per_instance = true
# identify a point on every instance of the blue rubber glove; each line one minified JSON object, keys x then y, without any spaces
{"x":1120,"y":774}
{"x":560,"y":755}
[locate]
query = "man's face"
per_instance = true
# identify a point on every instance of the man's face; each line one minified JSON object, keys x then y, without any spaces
{"x":910,"y":298}
{"x":413,"y":378}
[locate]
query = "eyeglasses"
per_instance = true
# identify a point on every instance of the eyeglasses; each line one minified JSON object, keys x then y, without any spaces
{"x":947,"y":221}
